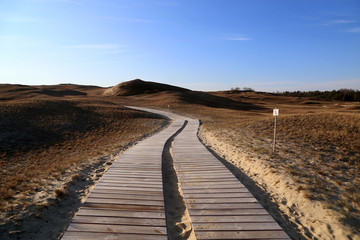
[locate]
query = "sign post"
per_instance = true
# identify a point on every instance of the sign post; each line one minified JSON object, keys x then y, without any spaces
{"x":275,"y":114}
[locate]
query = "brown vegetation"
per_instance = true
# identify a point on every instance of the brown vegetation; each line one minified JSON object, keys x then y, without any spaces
{"x":138,"y":86}
{"x":42,"y":139}
{"x":318,"y":141}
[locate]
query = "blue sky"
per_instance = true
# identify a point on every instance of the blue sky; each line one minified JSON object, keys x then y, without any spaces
{"x":268,"y":45}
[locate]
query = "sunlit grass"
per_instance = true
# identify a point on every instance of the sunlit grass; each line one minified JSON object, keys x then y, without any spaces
{"x":41,"y":139}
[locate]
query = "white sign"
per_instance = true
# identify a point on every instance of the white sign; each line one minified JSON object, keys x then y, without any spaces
{"x":276,"y":112}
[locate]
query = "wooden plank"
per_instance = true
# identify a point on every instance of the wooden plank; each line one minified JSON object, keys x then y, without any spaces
{"x":127,"y":178}
{"x":200,"y":168}
{"x":207,"y":172}
{"x":110,"y":236}
{"x":113,"y":228}
{"x":205,"y":184}
{"x":125,"y":201}
{"x":223,"y":205}
{"x":135,"y":174}
{"x":114,"y":184}
{"x":121,"y":221}
{"x":138,"y":163}
{"x":216,"y":195}
{"x":130,"y":179}
{"x":123,"y":206}
{"x":241,"y":235}
{"x":149,"y":183}
{"x":125,"y":191}
{"x":135,"y":171}
{"x":232,"y":219}
{"x":204,"y":180}
{"x":142,"y":189}
{"x":84,"y":211}
{"x":243,"y":226}
{"x":207,"y":177}
{"x":227,"y":212}
{"x":139,"y":176}
{"x":213,"y":186}
{"x":190,"y":165}
{"x":218,"y":190}
{"x":222,"y":200}
{"x":126,"y":196}
{"x":139,"y":168}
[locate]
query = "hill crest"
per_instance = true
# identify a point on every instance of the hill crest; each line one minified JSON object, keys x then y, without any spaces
{"x":138,"y":86}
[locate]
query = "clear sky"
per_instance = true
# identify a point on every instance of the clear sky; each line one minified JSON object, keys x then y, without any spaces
{"x":268,"y":45}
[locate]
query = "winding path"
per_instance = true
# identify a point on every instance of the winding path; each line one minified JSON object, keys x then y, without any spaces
{"x":220,"y":207}
{"x":128,"y":201}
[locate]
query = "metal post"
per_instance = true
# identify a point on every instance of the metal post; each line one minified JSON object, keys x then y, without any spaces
{"x":275,"y":134}
{"x":275,"y":114}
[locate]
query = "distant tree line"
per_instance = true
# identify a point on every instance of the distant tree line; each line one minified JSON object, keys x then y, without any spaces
{"x":238,"y":89}
{"x":348,"y":95}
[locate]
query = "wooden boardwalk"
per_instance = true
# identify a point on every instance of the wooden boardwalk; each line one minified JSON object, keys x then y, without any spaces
{"x":220,"y":207}
{"x":128,"y":201}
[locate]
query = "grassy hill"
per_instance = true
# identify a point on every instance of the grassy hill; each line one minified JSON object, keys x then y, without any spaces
{"x":138,"y":86}
{"x":48,"y":129}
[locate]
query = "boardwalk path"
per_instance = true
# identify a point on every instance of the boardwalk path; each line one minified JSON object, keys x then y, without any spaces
{"x":128,"y":201}
{"x":220,"y":206}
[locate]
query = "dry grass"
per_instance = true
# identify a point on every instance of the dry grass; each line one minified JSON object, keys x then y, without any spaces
{"x":318,"y":141}
{"x":322,"y":151}
{"x":60,"y":192}
{"x":42,"y":139}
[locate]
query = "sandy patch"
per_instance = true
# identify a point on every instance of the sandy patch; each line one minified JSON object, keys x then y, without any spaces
{"x":178,"y":221}
{"x":308,"y":219}
{"x":54,"y":205}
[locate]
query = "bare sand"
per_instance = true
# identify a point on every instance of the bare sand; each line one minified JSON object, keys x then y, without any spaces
{"x":53,"y":206}
{"x":178,"y":221}
{"x":308,"y":219}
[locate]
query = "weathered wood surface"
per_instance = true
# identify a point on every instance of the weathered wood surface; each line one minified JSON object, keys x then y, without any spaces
{"x":220,"y":206}
{"x":128,"y":201}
